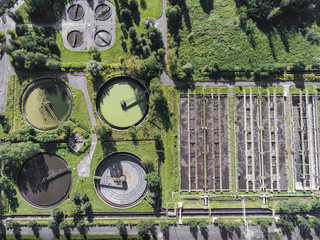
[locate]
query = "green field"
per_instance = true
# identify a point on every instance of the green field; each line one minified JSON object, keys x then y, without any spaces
{"x":217,"y":38}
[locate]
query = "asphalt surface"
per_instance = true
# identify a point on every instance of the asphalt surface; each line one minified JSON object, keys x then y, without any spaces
{"x":181,"y":232}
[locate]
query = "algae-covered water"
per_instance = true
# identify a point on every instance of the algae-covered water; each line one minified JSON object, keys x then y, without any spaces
{"x":60,"y":103}
{"x":117,"y":115}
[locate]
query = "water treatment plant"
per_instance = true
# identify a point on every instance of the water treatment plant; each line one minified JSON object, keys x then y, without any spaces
{"x":160,"y":119}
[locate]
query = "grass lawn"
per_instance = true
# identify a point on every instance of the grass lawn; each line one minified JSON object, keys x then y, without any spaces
{"x":218,"y":38}
{"x":80,"y":113}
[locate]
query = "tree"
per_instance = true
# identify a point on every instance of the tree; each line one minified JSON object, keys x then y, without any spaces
{"x":63,"y":225}
{"x":187,"y":68}
{"x":14,"y":154}
{"x":133,"y":131}
{"x":153,"y":180}
{"x":53,"y":64}
{"x":84,"y":198}
{"x":57,"y":215}
{"x":144,"y":226}
{"x":315,"y":204}
{"x":52,"y":224}
{"x":21,"y":29}
{"x":35,"y":227}
{"x":2,"y":37}
{"x":103,"y":131}
{"x":32,"y":223}
{"x":35,"y":61}
{"x":126,"y":16}
{"x":133,"y":66}
{"x":19,"y":57}
{"x":47,"y":137}
{"x":11,"y":225}
{"x":163,"y":226}
{"x":202,"y":223}
{"x":93,"y":51}
{"x":305,"y":207}
{"x":65,"y":129}
{"x":86,"y":207}
{"x":133,"y":5}
{"x":192,"y":223}
{"x":132,"y":33}
{"x":76,"y":198}
{"x":94,"y":68}
{"x":5,"y":184}
{"x":266,"y":222}
{"x":173,"y":14}
{"x":120,"y":224}
{"x":155,"y":36}
{"x":289,"y":207}
{"x":316,"y":223}
{"x":150,"y":68}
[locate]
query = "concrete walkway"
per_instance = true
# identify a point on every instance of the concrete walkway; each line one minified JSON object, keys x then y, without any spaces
{"x":79,"y":81}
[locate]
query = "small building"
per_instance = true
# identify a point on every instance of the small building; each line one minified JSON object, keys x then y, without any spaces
{"x":149,"y":23}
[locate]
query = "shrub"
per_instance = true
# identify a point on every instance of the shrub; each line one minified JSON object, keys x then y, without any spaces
{"x":94,"y":68}
{"x":313,"y":36}
{"x":125,"y":15}
{"x":132,"y":33}
{"x":86,"y":207}
{"x":120,"y":224}
{"x":187,"y":68}
{"x":57,"y":215}
{"x":84,"y":198}
{"x":76,"y":198}
{"x":163,"y":226}
{"x":2,"y":37}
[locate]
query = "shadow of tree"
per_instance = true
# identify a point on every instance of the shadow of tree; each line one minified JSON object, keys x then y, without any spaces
{"x":36,"y":230}
{"x":305,"y":232}
{"x":185,"y":14}
{"x":204,"y":232}
{"x":194,"y":232}
{"x":206,"y":5}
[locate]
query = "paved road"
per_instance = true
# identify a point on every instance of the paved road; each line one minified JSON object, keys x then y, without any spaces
{"x":180,"y":232}
{"x":5,"y":69}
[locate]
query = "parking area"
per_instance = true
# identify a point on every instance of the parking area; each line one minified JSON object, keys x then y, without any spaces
{"x":204,"y":142}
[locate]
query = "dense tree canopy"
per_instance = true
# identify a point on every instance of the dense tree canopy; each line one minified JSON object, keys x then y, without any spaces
{"x":14,"y":154}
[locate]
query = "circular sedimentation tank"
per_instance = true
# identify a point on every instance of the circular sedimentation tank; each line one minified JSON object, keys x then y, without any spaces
{"x":102,"y":38}
{"x":75,"y":38}
{"x":44,"y":181}
{"x":103,"y":12}
{"x":45,"y":103}
{"x":122,"y":102}
{"x":75,"y":12}
{"x":120,"y":180}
